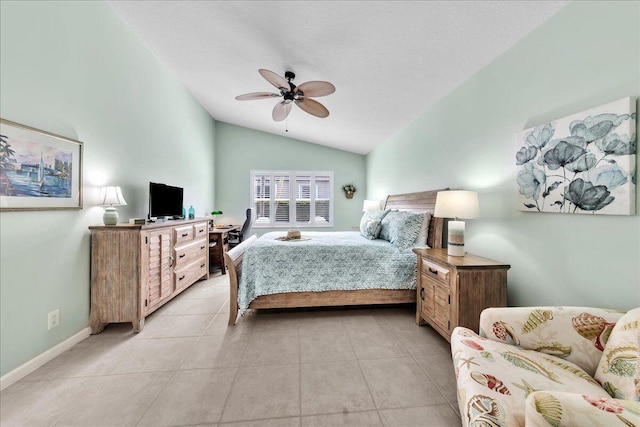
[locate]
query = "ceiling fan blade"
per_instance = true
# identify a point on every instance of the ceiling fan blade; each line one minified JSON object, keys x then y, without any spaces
{"x":316,"y":88}
{"x":312,"y":107}
{"x":281,"y":111}
{"x":256,"y":95}
{"x":273,"y":78}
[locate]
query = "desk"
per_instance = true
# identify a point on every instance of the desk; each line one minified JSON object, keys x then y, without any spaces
{"x":218,"y":245}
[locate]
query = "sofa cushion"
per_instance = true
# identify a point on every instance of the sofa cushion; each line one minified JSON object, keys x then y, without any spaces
{"x":577,"y":334}
{"x":494,"y":378}
{"x":552,"y":408}
{"x":618,"y":369}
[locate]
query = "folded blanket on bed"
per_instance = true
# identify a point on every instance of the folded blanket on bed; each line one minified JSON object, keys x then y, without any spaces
{"x":327,"y":261}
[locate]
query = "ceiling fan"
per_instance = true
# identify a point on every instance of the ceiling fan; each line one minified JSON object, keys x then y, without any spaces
{"x":292,"y":94}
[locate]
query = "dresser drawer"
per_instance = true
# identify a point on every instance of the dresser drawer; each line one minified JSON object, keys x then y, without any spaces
{"x":435,"y":271}
{"x":183,"y":234}
{"x":200,"y":230}
{"x":190,"y":252}
{"x":190,"y":273}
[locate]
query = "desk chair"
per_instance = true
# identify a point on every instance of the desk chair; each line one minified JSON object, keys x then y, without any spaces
{"x":237,"y":236}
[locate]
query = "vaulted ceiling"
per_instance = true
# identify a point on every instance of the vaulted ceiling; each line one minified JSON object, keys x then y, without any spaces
{"x":390,"y":61}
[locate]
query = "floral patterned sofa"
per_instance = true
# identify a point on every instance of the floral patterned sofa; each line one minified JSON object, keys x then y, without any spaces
{"x":549,"y":366}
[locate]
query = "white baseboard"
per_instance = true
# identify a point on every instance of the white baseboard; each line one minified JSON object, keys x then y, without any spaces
{"x":25,"y":369}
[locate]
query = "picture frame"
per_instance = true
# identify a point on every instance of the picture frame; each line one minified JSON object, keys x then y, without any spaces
{"x":38,"y":170}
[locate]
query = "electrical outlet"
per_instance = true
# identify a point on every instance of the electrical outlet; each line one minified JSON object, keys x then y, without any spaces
{"x":54,"y":318}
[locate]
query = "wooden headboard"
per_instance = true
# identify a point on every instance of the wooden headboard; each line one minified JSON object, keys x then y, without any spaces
{"x":424,"y":201}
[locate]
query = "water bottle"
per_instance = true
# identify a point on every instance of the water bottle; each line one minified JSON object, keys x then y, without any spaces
{"x":192,"y":212}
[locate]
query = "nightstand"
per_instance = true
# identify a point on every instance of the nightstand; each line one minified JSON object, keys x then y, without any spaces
{"x":452,"y":291}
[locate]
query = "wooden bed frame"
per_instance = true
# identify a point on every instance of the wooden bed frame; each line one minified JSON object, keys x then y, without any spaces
{"x":424,"y":201}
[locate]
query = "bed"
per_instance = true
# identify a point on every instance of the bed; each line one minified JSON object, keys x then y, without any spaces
{"x":257,"y":275}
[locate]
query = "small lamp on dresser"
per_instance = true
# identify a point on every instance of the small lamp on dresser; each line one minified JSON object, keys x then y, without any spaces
{"x":111,"y":195}
{"x":456,"y":204}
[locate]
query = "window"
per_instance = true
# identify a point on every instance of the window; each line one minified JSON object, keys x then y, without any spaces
{"x":292,"y":199}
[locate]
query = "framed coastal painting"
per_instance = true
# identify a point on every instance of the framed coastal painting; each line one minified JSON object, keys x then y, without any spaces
{"x":584,"y":163}
{"x":38,"y":170}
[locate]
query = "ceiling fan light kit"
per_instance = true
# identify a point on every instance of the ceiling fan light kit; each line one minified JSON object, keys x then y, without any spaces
{"x":292,"y":94}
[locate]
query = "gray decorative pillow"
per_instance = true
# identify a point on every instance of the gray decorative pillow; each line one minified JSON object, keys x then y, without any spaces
{"x":372,"y":216}
{"x":401,"y":228}
{"x":421,"y":240}
{"x":371,"y":230}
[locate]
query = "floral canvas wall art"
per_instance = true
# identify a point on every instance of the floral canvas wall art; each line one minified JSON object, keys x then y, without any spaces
{"x":583,"y":163}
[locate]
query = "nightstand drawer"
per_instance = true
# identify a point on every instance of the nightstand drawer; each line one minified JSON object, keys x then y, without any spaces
{"x":435,"y":271}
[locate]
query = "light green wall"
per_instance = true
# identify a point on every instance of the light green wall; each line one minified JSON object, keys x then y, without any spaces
{"x":240,"y":150}
{"x":75,"y":69}
{"x":584,"y":56}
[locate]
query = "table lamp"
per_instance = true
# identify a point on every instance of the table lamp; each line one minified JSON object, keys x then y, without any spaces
{"x":371,"y":205}
{"x":214,"y":213}
{"x":111,"y":195}
{"x":456,"y":204}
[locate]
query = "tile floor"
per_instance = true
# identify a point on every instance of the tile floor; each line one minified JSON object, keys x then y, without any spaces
{"x":324,"y":367}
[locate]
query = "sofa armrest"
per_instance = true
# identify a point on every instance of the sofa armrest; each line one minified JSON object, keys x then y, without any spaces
{"x":577,"y":334}
{"x":552,"y":408}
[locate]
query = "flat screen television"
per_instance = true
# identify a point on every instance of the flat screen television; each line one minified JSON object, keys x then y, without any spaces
{"x":165,"y":201}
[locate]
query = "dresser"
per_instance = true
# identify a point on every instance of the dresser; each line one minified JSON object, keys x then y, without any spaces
{"x":136,"y":269}
{"x":453,"y":291}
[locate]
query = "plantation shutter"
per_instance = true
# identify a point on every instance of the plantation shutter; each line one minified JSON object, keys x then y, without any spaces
{"x":282,"y":198}
{"x":322,"y":199}
{"x":262,"y":198}
{"x":290,"y":199}
{"x":303,"y":198}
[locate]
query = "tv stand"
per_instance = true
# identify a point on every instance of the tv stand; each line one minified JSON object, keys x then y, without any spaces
{"x":136,"y":269}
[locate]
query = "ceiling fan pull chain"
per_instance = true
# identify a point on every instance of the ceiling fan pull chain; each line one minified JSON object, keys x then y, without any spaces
{"x":286,"y":125}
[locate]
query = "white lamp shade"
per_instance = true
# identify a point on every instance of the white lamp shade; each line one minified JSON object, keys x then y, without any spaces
{"x":457,"y":204}
{"x":371,"y":205}
{"x":112,"y":195}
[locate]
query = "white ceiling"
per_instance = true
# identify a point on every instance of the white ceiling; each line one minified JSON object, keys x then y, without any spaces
{"x":390,"y":61}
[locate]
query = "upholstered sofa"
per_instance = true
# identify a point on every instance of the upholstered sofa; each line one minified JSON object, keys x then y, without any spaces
{"x":549,"y":366}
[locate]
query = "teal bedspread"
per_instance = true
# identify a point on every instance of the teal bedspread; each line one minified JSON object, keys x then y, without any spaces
{"x":329,"y":261}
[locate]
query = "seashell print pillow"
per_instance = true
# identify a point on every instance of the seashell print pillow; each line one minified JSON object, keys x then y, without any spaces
{"x":618,"y":369}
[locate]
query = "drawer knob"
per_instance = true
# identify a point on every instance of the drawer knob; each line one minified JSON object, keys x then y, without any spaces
{"x":201,"y":247}
{"x":182,"y":255}
{"x":185,"y":234}
{"x":201,"y":231}
{"x":181,"y":277}
{"x":201,"y":265}
{"x":422,"y":293}
{"x":433,"y":270}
